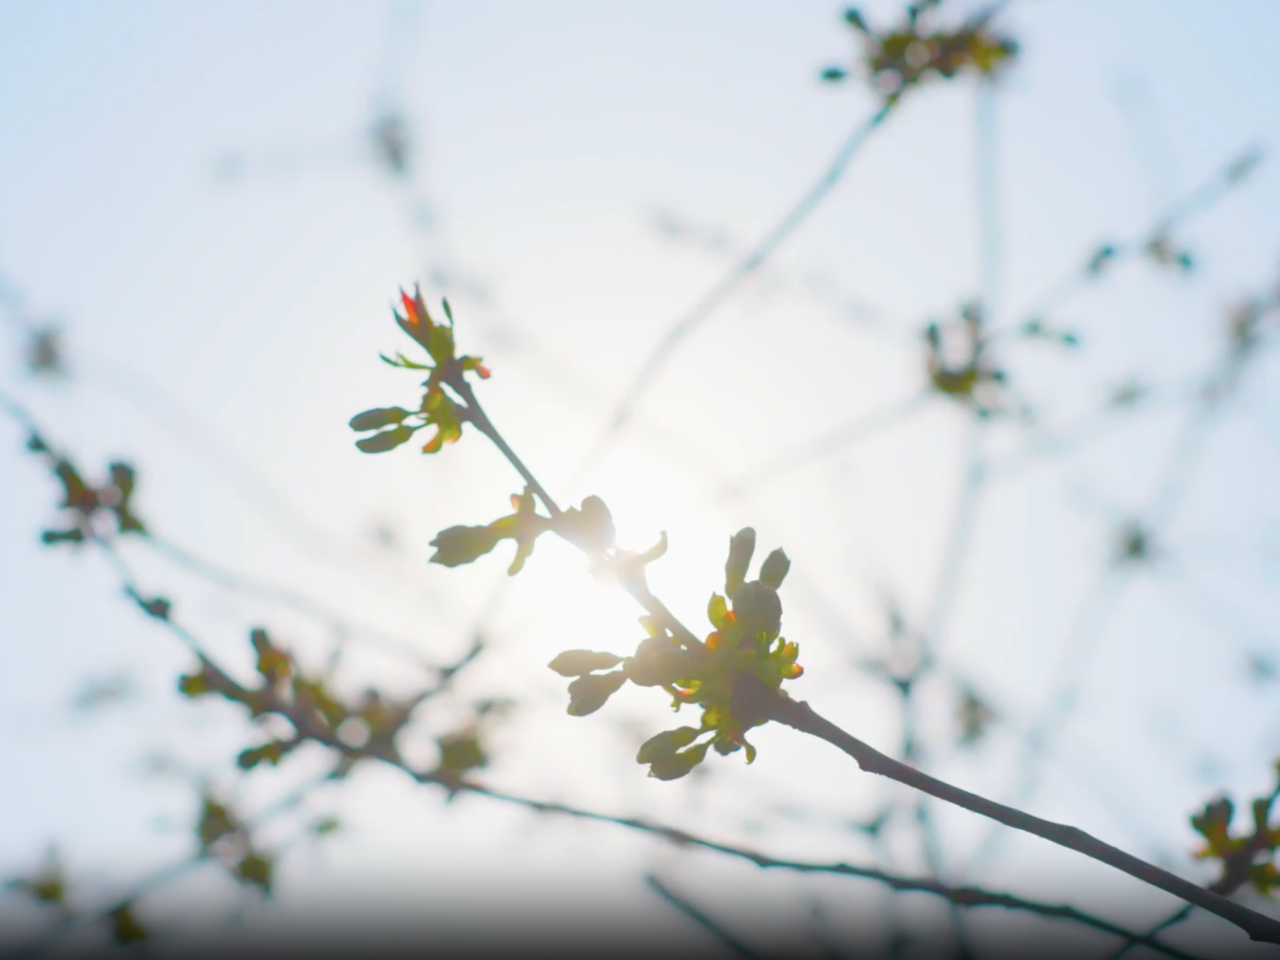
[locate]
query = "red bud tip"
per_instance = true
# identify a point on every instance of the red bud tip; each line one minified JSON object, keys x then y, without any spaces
{"x":411,"y":309}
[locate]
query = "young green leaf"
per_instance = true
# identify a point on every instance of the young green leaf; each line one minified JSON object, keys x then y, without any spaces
{"x":378,"y":418}
{"x":666,"y":743}
{"x":774,"y":569}
{"x":588,"y":694}
{"x":676,"y":765}
{"x":386,"y":440}
{"x":461,"y":544}
{"x":577,"y":663}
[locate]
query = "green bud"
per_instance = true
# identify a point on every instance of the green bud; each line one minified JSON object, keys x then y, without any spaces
{"x":741,"y":546}
{"x":774,"y":569}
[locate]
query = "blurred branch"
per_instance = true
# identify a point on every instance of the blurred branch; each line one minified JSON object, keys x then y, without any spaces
{"x":1152,"y":242}
{"x":158,"y":879}
{"x":802,"y":717}
{"x":697,"y":916}
{"x":314,"y":609}
{"x":717,"y":295}
{"x":1088,"y":625}
{"x":832,"y":442}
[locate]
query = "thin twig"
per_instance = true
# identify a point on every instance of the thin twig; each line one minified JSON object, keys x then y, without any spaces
{"x":1183,"y":210}
{"x":718,"y":294}
{"x":700,"y":918}
{"x":853,"y":430}
{"x":161,"y":877}
{"x":1090,"y":619}
{"x":331,"y":617}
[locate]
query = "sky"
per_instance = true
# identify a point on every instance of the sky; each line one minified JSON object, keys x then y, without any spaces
{"x":189,"y":192}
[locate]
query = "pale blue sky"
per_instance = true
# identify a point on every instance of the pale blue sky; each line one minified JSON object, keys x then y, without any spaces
{"x":549,"y":137}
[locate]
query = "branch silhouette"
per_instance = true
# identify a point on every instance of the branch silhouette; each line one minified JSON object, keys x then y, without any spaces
{"x":759,"y":701}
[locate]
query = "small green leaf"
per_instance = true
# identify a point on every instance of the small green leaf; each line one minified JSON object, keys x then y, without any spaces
{"x":378,"y":418}
{"x":588,"y":694}
{"x":666,"y":743}
{"x":677,"y":765}
{"x":717,"y":610}
{"x":460,"y":545}
{"x":774,"y":569}
{"x":386,"y":440}
{"x":833,"y":74}
{"x":577,"y":663}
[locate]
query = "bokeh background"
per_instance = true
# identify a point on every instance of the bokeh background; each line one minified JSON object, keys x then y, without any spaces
{"x":194,"y":196}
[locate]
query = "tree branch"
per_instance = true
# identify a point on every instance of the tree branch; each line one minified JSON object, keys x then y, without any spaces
{"x":800,"y":716}
{"x":767,"y":703}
